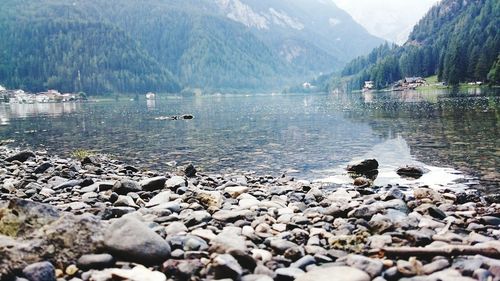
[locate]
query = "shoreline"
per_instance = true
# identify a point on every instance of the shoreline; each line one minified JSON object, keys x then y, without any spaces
{"x":98,"y":219}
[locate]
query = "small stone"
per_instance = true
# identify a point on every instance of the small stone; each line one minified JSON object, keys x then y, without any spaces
{"x":176,"y":228}
{"x":98,"y":261}
{"x":435,"y":266}
{"x":490,"y":220}
{"x":226,"y":266}
{"x":436,"y":213}
{"x":288,"y":273}
{"x":236,"y":191}
{"x":361,"y":181}
{"x":125,"y":186}
{"x":160,"y":198}
{"x":337,"y":273}
{"x":71,"y":270}
{"x":303,"y":262}
{"x":42,"y":168}
{"x":41,"y":271}
{"x":409,"y":268}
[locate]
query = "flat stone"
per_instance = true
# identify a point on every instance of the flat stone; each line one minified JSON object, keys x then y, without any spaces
{"x":138,"y":273}
{"x":151,"y":184}
{"x":288,"y":273}
{"x":435,"y":266}
{"x":40,"y":271}
{"x":175,"y":182}
{"x":231,"y":215}
{"x":130,"y":239}
{"x":337,"y":273}
{"x":97,"y":261}
{"x":236,"y":191}
{"x":160,"y":198}
{"x":371,"y":266}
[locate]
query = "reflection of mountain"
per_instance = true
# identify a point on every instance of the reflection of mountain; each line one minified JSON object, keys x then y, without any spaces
{"x":443,"y":129}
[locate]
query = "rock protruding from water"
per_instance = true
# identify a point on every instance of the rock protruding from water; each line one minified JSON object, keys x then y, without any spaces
{"x":365,"y":167}
{"x":411,"y":171}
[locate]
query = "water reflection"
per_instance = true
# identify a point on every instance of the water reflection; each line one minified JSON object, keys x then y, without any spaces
{"x":313,"y":136}
{"x":19,"y":110}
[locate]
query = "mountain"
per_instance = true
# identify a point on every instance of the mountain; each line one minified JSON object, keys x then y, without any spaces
{"x":102,"y":46}
{"x":458,"y":40}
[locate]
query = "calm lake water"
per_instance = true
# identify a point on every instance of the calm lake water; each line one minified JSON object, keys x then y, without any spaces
{"x":309,"y":136}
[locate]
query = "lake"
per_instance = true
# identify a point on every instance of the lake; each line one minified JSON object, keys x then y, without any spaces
{"x":309,"y":136}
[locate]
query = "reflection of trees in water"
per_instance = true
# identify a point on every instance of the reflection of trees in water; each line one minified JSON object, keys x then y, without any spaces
{"x":461,"y":132}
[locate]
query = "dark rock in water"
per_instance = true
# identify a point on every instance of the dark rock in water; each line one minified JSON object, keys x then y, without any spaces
{"x":125,"y":186}
{"x":363,"y":167}
{"x":40,"y":271}
{"x":153,"y":183}
{"x":22,"y":156}
{"x":130,"y":239}
{"x":411,"y":171}
{"x":190,"y":171}
{"x":99,"y":261}
{"x":42,"y":168}
{"x":187,"y":116}
{"x":492,"y":198}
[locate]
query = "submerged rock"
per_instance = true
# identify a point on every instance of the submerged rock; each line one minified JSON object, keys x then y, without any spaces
{"x":411,"y":171}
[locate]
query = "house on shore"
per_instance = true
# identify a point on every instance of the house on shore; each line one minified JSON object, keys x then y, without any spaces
{"x":369,"y":85}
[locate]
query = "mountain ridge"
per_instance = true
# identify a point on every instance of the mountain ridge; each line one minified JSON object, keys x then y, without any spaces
{"x":193,"y":43}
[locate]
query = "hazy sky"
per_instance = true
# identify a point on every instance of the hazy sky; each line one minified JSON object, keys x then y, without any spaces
{"x":392,"y":20}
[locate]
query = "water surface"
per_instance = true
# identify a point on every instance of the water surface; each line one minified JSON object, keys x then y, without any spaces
{"x":310,"y":136}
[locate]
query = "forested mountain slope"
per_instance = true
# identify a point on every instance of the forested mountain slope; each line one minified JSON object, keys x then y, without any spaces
{"x":458,"y":40}
{"x":101,"y":46}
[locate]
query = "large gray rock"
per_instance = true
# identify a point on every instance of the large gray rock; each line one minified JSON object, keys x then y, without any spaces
{"x":40,"y":271}
{"x":337,"y":273}
{"x":130,"y":239}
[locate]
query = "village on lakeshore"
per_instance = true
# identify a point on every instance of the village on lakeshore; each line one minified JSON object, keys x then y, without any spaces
{"x":50,"y":96}
{"x":412,"y":83}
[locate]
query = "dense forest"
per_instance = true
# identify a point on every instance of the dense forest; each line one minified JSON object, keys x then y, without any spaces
{"x":457,"y":40}
{"x":115,"y":46}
